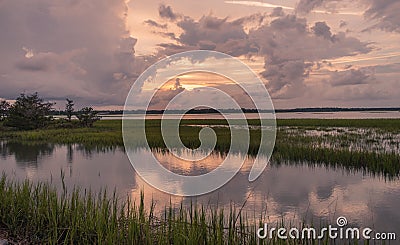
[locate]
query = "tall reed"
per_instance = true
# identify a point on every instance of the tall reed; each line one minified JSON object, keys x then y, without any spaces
{"x":37,"y":214}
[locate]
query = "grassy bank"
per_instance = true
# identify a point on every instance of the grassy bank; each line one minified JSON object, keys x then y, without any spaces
{"x":108,"y":132}
{"x":292,"y":144}
{"x":38,"y":214}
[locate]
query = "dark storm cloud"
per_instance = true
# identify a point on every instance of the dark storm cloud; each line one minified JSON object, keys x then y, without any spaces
{"x":61,"y":48}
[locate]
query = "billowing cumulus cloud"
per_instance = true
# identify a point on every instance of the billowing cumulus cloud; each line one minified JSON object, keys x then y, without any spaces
{"x":289,"y":45}
{"x":79,"y":49}
{"x":291,"y":48}
{"x":213,"y":33}
{"x":209,"y":33}
{"x":210,"y":29}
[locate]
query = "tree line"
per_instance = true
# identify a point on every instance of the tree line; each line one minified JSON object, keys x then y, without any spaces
{"x":32,"y":112}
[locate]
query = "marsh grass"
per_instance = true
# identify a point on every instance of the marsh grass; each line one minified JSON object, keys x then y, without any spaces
{"x":108,"y":132}
{"x":292,"y":144}
{"x":105,"y":133}
{"x":37,"y":214}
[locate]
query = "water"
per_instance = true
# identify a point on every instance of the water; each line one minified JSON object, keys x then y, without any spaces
{"x":290,"y":115}
{"x":295,"y":192}
{"x":351,"y":139}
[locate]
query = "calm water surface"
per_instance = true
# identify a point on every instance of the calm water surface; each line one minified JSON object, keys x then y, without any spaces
{"x":296,"y":192}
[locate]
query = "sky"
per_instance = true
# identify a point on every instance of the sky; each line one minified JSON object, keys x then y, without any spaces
{"x":308,"y":53}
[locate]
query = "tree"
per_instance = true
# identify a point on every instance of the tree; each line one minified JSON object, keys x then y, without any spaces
{"x":29,"y":112}
{"x":4,"y":107}
{"x":87,"y":116}
{"x":69,"y":109}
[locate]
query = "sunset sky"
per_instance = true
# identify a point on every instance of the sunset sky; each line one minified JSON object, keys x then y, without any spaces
{"x":309,"y":53}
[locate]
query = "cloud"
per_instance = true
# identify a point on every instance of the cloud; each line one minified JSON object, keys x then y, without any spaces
{"x":155,"y":24}
{"x":163,"y":95}
{"x":306,"y":6}
{"x":386,"y":12}
{"x":210,"y":33}
{"x":289,"y":46}
{"x":167,"y":13}
{"x":354,"y":93}
{"x":285,"y":77}
{"x":34,"y":64}
{"x":323,"y":30}
{"x":277,"y":12}
{"x":303,"y":7}
{"x":51,"y":62}
{"x":162,"y":98}
{"x":61,"y":48}
{"x":211,"y":29}
{"x":351,"y":77}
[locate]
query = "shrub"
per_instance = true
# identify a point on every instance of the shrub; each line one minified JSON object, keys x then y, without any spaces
{"x":29,"y":112}
{"x":87,"y":116}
